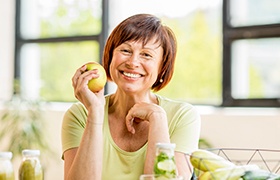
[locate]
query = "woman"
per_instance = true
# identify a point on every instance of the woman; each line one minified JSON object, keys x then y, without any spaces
{"x":114,"y":136}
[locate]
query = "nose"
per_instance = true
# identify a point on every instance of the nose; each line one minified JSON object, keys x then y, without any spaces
{"x":133,"y":60}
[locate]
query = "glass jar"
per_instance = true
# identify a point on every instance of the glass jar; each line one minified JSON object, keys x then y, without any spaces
{"x":6,"y":167}
{"x":30,"y":168}
{"x":165,"y":162}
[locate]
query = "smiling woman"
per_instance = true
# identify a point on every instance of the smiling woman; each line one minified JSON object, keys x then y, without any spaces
{"x":103,"y":130}
{"x":129,"y":56}
{"x":148,"y":43}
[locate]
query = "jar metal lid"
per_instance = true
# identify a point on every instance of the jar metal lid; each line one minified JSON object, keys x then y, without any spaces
{"x":166,"y":145}
{"x":6,"y":155}
{"x":31,"y":152}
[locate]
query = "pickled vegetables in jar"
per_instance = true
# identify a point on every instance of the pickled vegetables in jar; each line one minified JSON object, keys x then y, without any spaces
{"x":165,"y":165}
{"x":30,"y":168}
{"x":6,"y":167}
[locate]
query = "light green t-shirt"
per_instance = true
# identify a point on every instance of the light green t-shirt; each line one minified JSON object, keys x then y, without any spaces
{"x":184,"y":130}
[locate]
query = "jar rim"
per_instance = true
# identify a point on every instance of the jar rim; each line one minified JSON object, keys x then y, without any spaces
{"x":166,"y":145}
{"x":31,"y":152}
{"x":6,"y":154}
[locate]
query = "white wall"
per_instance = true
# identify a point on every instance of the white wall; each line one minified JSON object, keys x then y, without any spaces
{"x":242,"y":127}
{"x":6,"y":47}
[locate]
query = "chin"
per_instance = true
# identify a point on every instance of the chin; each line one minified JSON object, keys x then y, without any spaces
{"x":130,"y":90}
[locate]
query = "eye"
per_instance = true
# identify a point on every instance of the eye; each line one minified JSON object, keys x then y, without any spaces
{"x":146,"y":55}
{"x":125,"y":51}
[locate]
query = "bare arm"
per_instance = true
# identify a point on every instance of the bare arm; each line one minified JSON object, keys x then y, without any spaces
{"x":85,"y":162}
{"x":158,"y":132}
{"x":158,"y":129}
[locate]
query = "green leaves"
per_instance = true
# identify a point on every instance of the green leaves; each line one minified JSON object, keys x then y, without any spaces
{"x":22,"y":126}
{"x":165,"y":166}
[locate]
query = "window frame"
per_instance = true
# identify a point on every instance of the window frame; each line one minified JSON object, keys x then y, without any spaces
{"x":19,"y":41}
{"x":230,"y":34}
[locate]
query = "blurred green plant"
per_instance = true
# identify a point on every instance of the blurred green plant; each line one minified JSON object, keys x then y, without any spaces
{"x":204,"y":144}
{"x":22,"y":125}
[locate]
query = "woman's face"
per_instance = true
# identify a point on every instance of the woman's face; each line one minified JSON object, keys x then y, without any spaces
{"x":134,"y":67}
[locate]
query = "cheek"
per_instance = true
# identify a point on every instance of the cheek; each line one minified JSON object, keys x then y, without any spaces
{"x":155,"y":70}
{"x":116,"y":60}
{"x":114,"y":65}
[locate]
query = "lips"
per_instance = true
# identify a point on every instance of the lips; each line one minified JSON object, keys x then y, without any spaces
{"x":131,"y":75}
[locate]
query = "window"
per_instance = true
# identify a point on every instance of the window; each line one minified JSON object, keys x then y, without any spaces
{"x":251,"y":53}
{"x":53,"y":38}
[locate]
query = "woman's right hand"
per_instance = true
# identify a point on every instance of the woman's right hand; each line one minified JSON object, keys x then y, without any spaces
{"x":82,"y":92}
{"x":90,"y":149}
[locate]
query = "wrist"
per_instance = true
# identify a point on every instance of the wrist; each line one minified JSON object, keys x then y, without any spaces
{"x":95,"y":117}
{"x":157,"y":114}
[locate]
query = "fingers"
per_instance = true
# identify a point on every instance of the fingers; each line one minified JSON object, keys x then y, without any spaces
{"x":80,"y":83}
{"x":78,"y":73}
{"x":82,"y":76}
{"x":143,"y":112}
{"x":129,"y":121}
{"x":129,"y":125}
{"x":134,"y":115}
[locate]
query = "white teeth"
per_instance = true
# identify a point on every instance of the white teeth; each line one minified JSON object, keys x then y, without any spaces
{"x":131,"y":75}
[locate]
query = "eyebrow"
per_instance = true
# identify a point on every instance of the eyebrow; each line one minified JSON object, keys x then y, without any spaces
{"x":145,"y":47}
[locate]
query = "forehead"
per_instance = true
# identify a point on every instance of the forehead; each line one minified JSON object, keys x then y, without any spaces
{"x":150,"y":44}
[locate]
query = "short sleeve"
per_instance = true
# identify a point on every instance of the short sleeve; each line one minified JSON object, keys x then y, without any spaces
{"x":186,"y":129}
{"x":73,"y":126}
{"x":184,"y":124}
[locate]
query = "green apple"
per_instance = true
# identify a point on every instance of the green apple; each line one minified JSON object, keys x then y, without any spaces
{"x":96,"y":84}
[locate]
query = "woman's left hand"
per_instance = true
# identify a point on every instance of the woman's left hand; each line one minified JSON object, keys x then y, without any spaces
{"x":143,"y":112}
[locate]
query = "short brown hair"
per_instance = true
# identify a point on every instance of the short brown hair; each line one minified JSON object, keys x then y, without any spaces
{"x":144,"y":27}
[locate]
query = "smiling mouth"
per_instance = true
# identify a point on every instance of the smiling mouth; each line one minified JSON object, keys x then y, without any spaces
{"x":131,"y":75}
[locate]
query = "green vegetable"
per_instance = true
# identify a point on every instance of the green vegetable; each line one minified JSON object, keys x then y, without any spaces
{"x":26,"y":170}
{"x":6,"y":176}
{"x":208,"y":161}
{"x":231,"y":173}
{"x":165,"y":166}
{"x":30,"y":170}
{"x":260,"y":175}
